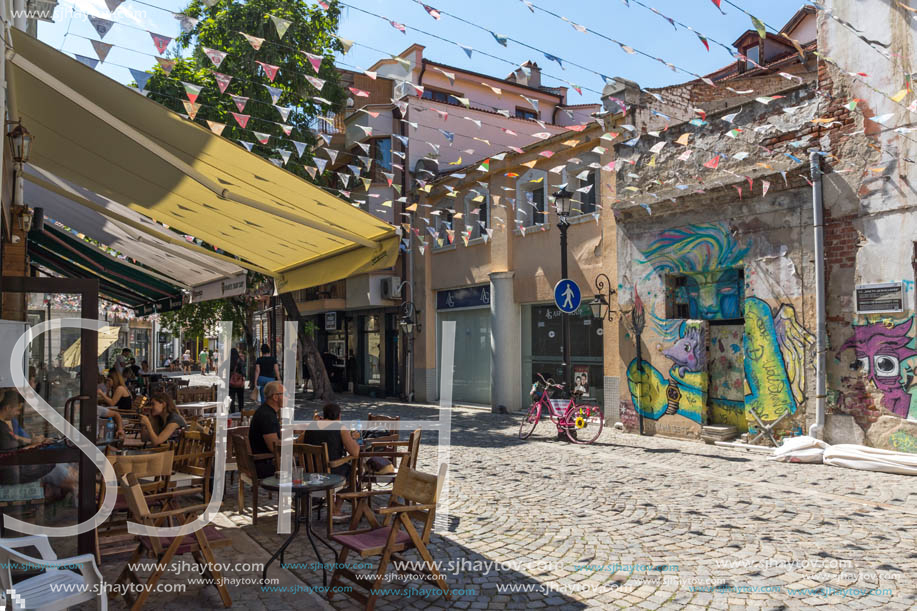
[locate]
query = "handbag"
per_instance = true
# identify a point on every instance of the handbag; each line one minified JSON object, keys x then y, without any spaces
{"x":236,"y":380}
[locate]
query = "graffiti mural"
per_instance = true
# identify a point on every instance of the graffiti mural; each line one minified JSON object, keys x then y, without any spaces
{"x":881,"y":349}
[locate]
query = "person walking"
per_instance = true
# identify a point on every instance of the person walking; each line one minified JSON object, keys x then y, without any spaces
{"x":266,"y":370}
{"x":186,"y":361}
{"x":236,"y":381}
{"x":202,"y":359}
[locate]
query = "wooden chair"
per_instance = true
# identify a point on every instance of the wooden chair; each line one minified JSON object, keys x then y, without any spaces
{"x":193,"y":394}
{"x":247,"y":416}
{"x":194,"y":459}
{"x":418,"y":493}
{"x":389,"y":449}
{"x":163,"y":549}
{"x":58,"y":587}
{"x":248,"y":474}
{"x":155,"y":467}
{"x":231,"y":466}
{"x":380,"y":426}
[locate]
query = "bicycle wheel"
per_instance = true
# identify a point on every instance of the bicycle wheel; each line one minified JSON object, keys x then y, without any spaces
{"x":530,"y":421}
{"x":588,"y":422}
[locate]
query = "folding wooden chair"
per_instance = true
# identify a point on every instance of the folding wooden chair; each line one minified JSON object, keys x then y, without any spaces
{"x":163,"y":549}
{"x":194,"y":458}
{"x":388,"y":448}
{"x":419,"y":493}
{"x":248,"y":474}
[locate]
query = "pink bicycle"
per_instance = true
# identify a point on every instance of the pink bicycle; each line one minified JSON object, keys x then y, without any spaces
{"x":582,"y":422}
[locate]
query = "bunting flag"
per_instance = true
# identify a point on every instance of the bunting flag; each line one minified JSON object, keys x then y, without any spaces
{"x":215,"y":56}
{"x":88,"y":61}
{"x":485,"y":166}
{"x":140,"y":77}
{"x":762,"y":31}
{"x":287,"y":129}
{"x":320,"y":163}
{"x":450,"y":136}
{"x":370,"y":74}
{"x":282,"y":25}
{"x":332,"y":155}
{"x":367,"y":131}
{"x":765,"y":185}
{"x":222,"y":80}
{"x":101,"y":49}
{"x":285,"y":154}
{"x":310,"y":170}
{"x":242,"y":120}
{"x":316,"y":82}
{"x":467,"y":50}
{"x":247,"y":145}
{"x":113,"y":4}
{"x":345,"y":178}
{"x":216,"y":128}
{"x":717,"y":4}
{"x":399,"y":26}
{"x":191,"y":108}
{"x":166,"y":64}
{"x":463,"y":101}
{"x":448,"y":75}
{"x":254,"y":41}
{"x":284,"y":112}
{"x":345,"y":44}
{"x":432,"y":11}
{"x":102,"y":26}
{"x":262,"y":137}
{"x":358,"y":92}
{"x":500,"y":38}
{"x":531,"y":101}
{"x":240,"y":101}
{"x":186,"y":22}
{"x":316,"y":61}
{"x":703,"y":40}
{"x":367,"y":183}
{"x":554,"y":58}
{"x":713,"y":163}
{"x":269,"y":69}
{"x":275,"y":93}
{"x":160,"y":42}
{"x":192,"y":90}
{"x":300,"y":147}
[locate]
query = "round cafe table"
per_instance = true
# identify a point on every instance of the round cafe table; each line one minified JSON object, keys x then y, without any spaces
{"x":303,"y":489}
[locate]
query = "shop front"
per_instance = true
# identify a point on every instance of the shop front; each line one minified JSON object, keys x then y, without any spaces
{"x":469,"y":308}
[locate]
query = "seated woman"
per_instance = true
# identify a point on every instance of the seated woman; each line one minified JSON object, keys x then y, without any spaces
{"x":337,"y":441}
{"x":118,"y":397}
{"x":163,"y":421}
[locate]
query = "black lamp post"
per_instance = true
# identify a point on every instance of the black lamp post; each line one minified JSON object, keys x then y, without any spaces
{"x":562,"y":207}
{"x":601,"y":304}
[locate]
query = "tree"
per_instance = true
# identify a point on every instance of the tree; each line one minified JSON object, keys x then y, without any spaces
{"x":280,"y":105}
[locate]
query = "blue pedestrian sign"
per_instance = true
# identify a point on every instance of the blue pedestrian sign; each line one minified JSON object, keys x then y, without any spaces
{"x":567,"y":296}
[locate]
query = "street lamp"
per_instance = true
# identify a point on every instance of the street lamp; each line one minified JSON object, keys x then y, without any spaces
{"x":562,"y":207}
{"x":407,"y":321}
{"x":602,"y":300}
{"x":20,"y":143}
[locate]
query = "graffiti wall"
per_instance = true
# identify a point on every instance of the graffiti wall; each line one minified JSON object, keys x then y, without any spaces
{"x":732,"y":357}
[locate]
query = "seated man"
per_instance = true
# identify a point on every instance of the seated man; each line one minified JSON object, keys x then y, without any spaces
{"x":264,"y":430}
{"x":337,"y":441}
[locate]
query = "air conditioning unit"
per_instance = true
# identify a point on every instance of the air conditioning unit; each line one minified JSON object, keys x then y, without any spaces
{"x":391,"y":287}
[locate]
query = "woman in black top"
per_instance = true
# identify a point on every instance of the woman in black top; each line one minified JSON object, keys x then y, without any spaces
{"x":266,"y":370}
{"x":163,"y":421}
{"x":236,"y":393}
{"x":118,"y":395}
{"x":337,"y":441}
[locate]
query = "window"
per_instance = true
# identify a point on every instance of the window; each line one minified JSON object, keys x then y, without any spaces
{"x":443,"y":225}
{"x":439,"y":96}
{"x":477,"y":211}
{"x":754,"y":55}
{"x":531,"y":198}
{"x":525,"y":113}
{"x":717,"y":295}
{"x":380,"y":149}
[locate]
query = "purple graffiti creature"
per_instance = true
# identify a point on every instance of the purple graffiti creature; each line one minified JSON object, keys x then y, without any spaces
{"x":880,"y":350}
{"x":687,"y":352}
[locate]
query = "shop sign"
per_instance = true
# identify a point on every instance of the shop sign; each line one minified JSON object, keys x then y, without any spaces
{"x":886,"y":297}
{"x":468,"y":297}
{"x":331,"y":321}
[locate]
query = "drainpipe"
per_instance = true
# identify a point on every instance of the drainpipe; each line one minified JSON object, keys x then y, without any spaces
{"x":817,"y":429}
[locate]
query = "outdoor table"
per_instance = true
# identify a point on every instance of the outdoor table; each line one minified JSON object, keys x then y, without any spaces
{"x":197,"y":408}
{"x":306,"y":488}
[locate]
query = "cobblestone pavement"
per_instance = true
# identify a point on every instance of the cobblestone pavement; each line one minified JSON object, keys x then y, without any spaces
{"x":637,"y":522}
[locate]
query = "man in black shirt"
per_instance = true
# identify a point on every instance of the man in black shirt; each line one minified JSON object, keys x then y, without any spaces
{"x":264,"y":430}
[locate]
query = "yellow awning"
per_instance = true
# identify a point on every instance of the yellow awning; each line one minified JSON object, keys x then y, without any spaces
{"x":107,"y":337}
{"x":102,"y":135}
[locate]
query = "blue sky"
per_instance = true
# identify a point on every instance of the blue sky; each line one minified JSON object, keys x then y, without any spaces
{"x":635,"y":26}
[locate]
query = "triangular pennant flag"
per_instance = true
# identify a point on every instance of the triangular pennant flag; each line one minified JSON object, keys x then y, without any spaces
{"x":287,"y":129}
{"x":316,"y":82}
{"x":467,"y":50}
{"x":345,"y":178}
{"x":370,"y":74}
{"x":102,"y":26}
{"x":762,"y":31}
{"x":113,"y":4}
{"x":191,"y":108}
{"x":284,"y":112}
{"x":242,"y":120}
{"x":89,"y":61}
{"x":531,"y":101}
{"x":310,"y":170}
{"x":215,"y":56}
{"x":269,"y":69}
{"x":285,"y":154}
{"x":262,"y":137}
{"x":222,"y":81}
{"x":433,"y":12}
{"x":166,"y":64}
{"x":186,"y":22}
{"x":320,"y":163}
{"x":399,"y":26}
{"x":254,"y":41}
{"x":345,"y":44}
{"x":192,"y":91}
{"x":240,"y":101}
{"x":332,"y":154}
{"x":358,"y":92}
{"x":300,"y":147}
{"x":554,"y":58}
{"x":713,"y":163}
{"x":160,"y":42}
{"x":500,"y":38}
{"x":282,"y":25}
{"x":275,"y":93}
{"x":765,"y":185}
{"x":316,"y":61}
{"x":101,"y":49}
{"x":703,"y":41}
{"x":216,"y":128}
{"x":354,"y":168}
{"x":140,"y":77}
{"x":247,"y":145}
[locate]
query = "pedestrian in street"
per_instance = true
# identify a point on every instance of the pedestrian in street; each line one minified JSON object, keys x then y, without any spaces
{"x":186,"y":361}
{"x":202,"y":359}
{"x":266,"y":371}
{"x":236,"y":381}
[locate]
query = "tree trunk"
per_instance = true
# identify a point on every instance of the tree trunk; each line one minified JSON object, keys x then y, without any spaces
{"x":321,"y":384}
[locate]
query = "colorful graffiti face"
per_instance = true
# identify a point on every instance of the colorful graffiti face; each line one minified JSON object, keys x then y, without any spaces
{"x":688,"y":353}
{"x":715,"y":295}
{"x":880,"y":350}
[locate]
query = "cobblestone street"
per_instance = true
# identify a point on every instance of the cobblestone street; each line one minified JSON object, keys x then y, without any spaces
{"x":629,"y":522}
